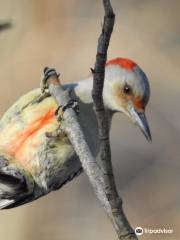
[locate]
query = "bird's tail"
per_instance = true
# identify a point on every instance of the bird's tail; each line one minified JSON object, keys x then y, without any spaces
{"x":14,"y":186}
{"x":5,"y":203}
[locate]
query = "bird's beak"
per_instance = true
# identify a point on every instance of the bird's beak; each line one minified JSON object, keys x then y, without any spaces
{"x":139,"y":118}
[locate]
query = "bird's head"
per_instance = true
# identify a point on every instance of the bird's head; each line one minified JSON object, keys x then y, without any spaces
{"x":126,"y":90}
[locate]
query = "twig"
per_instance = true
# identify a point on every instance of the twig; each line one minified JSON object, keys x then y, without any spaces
{"x":119,"y":219}
{"x":5,"y":26}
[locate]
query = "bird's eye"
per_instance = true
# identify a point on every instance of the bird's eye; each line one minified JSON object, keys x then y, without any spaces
{"x":127,"y":89}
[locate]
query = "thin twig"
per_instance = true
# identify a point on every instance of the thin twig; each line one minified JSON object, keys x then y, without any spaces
{"x":119,"y":219}
{"x":5,"y":26}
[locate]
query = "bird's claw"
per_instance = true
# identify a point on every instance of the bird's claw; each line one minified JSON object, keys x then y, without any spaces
{"x":72,"y":103}
{"x":58,"y":133}
{"x":47,"y":72}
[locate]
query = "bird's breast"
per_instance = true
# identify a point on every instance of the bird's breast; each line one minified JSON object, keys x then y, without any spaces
{"x":23,"y":131}
{"x":23,"y":137}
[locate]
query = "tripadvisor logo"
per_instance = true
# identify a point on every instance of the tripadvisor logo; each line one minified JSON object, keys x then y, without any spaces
{"x":139,"y":231}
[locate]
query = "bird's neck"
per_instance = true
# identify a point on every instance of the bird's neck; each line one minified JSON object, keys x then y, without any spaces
{"x":83,"y":90}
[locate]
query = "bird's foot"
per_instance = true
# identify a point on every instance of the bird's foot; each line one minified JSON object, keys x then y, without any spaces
{"x":48,"y":72}
{"x":72,"y":103}
{"x":41,"y":97}
{"x":57,"y":134}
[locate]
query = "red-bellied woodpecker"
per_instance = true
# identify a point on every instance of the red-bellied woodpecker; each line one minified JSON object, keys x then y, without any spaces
{"x":33,"y":164}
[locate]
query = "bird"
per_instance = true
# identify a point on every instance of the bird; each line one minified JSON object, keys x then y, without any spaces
{"x":33,"y":163}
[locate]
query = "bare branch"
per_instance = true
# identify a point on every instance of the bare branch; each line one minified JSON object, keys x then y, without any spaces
{"x":5,"y":26}
{"x":119,"y":219}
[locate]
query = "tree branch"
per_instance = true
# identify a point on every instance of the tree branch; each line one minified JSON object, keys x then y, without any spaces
{"x":5,"y":26}
{"x":120,"y":221}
